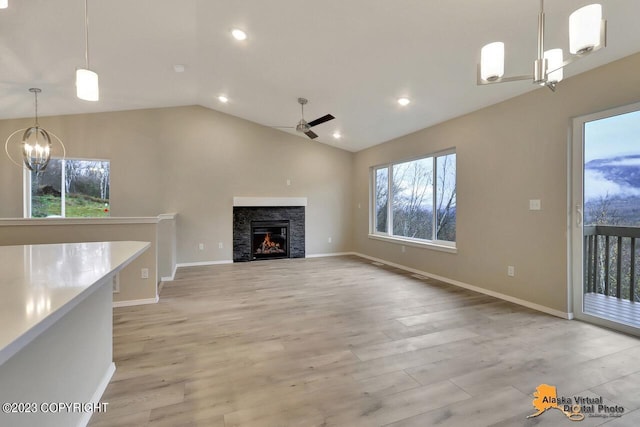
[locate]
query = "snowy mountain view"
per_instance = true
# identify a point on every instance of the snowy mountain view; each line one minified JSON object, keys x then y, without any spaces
{"x":612,"y":170}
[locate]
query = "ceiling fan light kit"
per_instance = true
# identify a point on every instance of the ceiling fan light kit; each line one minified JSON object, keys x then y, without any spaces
{"x":587,"y":34}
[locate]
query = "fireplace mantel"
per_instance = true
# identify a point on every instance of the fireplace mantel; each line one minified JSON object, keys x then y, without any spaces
{"x":269,"y":201}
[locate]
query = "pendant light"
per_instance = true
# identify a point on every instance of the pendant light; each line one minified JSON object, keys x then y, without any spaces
{"x":587,"y":34}
{"x":87,"y":87}
{"x":35,"y":145}
{"x":4,"y":4}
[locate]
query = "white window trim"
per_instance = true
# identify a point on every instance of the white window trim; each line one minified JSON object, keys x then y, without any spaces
{"x":440,"y":245}
{"x":437,"y":245}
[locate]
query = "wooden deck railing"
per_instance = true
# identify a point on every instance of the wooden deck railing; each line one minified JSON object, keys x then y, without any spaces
{"x":610,"y":261}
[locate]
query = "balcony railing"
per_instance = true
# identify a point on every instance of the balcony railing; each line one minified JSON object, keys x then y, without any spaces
{"x":610,"y":261}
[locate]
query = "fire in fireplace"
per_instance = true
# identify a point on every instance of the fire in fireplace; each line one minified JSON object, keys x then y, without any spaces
{"x":269,"y":239}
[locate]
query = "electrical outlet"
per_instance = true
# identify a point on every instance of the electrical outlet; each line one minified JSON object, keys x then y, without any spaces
{"x":403,"y":249}
{"x":288,"y":182}
{"x":219,"y":245}
{"x":535,"y":205}
{"x":116,"y":283}
{"x":511,"y":271}
{"x":201,"y":246}
{"x":144,"y":273}
{"x":329,"y":240}
{"x":359,"y":206}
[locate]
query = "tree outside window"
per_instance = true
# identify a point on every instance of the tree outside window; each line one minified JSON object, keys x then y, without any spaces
{"x":417,"y":199}
{"x":70,"y":188}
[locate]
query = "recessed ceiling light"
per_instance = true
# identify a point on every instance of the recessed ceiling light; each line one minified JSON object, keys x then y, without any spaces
{"x":404,"y":101}
{"x":337,"y":135}
{"x":178,"y":68}
{"x":223,"y":99}
{"x":238,"y":34}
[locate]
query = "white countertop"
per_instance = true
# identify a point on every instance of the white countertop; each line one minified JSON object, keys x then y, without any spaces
{"x":41,"y":283}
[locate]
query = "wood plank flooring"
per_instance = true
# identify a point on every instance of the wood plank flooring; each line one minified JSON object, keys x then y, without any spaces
{"x":342,"y":342}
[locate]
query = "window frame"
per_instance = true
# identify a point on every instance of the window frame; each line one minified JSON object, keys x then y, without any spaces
{"x":388,"y":236}
{"x":27,"y":196}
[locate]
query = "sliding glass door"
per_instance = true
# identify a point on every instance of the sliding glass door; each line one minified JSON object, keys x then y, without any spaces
{"x":605,"y":219}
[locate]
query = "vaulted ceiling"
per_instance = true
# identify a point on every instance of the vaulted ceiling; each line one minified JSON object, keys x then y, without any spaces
{"x":350,"y":58}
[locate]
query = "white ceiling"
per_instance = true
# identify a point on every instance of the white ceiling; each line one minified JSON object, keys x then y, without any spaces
{"x":350,"y":58}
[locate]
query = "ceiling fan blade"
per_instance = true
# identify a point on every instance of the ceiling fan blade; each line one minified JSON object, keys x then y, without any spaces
{"x":311,"y":134}
{"x":321,"y":120}
{"x":283,"y":127}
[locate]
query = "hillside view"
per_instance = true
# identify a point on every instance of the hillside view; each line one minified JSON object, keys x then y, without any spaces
{"x":612,"y":191}
{"x":612,"y":198}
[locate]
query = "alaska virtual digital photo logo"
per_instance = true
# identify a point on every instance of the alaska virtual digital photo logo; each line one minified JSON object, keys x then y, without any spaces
{"x":575,"y":408}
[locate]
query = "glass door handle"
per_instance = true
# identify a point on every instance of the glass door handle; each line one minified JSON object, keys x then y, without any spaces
{"x":578,"y":216}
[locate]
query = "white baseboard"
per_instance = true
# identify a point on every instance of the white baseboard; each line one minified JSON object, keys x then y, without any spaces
{"x":172,"y":277}
{"x":202,"y":263}
{"x":329,"y":254}
{"x":97,"y":395}
{"x":494,"y":294}
{"x":136,"y":302}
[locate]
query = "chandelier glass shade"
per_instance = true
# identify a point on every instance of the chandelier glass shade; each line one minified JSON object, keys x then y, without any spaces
{"x":587,"y":33}
{"x":554,"y":59}
{"x":492,"y":61}
{"x":584,"y":29}
{"x":35,"y":146}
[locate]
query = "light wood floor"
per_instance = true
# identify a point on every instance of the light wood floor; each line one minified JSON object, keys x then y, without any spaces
{"x":343,"y":342}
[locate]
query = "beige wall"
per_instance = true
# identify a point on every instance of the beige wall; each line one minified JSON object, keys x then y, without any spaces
{"x":506,"y":154}
{"x":192,"y":160}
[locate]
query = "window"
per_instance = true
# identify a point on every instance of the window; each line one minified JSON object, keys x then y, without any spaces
{"x":68,"y":188}
{"x":416,"y":200}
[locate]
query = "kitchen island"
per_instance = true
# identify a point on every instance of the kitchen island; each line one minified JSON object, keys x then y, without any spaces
{"x":56,"y":329}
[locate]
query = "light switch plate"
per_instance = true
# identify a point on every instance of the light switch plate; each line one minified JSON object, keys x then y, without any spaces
{"x":535,"y":205}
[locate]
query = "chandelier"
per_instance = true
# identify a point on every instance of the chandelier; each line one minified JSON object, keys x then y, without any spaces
{"x":587,"y":34}
{"x":35,"y":145}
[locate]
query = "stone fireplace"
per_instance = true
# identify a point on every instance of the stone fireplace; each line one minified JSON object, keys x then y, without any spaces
{"x":268,"y":228}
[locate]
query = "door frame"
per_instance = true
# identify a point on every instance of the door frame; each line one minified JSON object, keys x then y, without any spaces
{"x":575,"y":214}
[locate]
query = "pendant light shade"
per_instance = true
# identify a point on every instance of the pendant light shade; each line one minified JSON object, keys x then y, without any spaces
{"x":4,"y":4}
{"x":492,"y":61}
{"x":584,"y":29}
{"x":554,"y":65}
{"x":87,"y":87}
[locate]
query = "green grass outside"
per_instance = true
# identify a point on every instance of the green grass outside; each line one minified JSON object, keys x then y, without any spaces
{"x":76,"y":206}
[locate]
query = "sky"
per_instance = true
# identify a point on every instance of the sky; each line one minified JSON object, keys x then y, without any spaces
{"x":613,"y":136}
{"x":609,"y":138}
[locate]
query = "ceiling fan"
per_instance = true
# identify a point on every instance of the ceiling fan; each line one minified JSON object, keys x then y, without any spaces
{"x":304,"y":126}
